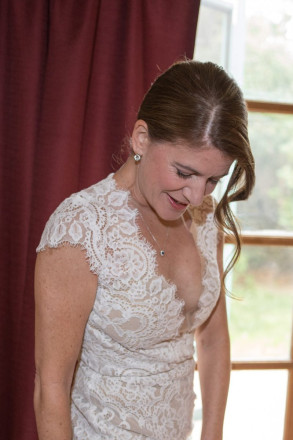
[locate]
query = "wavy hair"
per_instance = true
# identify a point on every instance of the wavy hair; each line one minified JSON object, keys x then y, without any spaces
{"x":200,"y":104}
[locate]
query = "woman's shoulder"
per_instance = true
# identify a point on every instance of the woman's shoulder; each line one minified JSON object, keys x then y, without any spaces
{"x":81,"y":215}
{"x":94,"y":194}
{"x":89,"y":198}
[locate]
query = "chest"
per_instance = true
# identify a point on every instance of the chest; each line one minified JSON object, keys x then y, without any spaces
{"x":144,"y":298}
{"x":183,"y":265}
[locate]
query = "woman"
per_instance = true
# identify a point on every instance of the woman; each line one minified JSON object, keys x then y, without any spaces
{"x":131,"y":269}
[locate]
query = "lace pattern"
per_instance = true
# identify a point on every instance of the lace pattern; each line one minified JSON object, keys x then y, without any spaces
{"x":135,"y":375}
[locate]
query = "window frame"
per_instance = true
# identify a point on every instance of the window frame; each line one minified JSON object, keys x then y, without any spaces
{"x":271,"y":238}
{"x":234,"y":43}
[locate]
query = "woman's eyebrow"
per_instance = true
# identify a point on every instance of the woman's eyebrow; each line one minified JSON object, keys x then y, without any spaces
{"x":197,"y":173}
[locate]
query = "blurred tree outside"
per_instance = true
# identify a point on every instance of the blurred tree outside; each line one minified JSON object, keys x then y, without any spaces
{"x":270,"y":206}
{"x":268,"y":69}
{"x":261,"y":324}
{"x":268,"y":76}
{"x":261,"y":60}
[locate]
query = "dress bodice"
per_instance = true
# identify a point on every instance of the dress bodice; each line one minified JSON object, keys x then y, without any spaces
{"x":134,"y":378}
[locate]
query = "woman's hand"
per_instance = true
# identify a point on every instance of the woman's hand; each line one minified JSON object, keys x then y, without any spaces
{"x":65,"y":291}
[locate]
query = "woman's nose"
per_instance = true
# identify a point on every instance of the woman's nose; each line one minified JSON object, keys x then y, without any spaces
{"x":195,"y":192}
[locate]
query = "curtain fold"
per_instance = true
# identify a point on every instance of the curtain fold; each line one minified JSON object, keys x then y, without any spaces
{"x":72,"y":75}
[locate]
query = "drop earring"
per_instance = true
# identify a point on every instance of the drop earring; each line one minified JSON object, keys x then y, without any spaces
{"x":137,"y":157}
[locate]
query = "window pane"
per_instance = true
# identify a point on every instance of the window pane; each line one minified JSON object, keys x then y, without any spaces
{"x":256,"y":406}
{"x":256,"y":46}
{"x":268,"y":67}
{"x":213,"y":34}
{"x":271,"y":204}
{"x":260,"y":324}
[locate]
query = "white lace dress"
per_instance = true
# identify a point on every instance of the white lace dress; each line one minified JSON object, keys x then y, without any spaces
{"x":134,"y":380}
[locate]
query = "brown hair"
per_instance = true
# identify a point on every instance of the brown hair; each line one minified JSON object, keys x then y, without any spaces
{"x":199,"y":103}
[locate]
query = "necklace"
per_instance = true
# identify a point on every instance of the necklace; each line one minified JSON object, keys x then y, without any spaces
{"x":162,"y":251}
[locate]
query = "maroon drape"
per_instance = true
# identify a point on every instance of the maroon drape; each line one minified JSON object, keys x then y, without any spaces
{"x":72,"y":74}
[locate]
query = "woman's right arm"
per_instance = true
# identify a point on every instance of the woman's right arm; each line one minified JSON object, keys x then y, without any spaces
{"x":65,"y":291}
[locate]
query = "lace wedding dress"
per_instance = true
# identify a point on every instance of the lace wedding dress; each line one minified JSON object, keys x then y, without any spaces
{"x":134,"y":379}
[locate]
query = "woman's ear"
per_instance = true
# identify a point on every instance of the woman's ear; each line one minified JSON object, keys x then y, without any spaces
{"x":140,"y":137}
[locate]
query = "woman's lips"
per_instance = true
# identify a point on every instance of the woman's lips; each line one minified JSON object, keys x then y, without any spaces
{"x":177,"y":205}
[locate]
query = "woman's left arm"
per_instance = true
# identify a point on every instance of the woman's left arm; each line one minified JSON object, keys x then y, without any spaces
{"x":213,"y":349}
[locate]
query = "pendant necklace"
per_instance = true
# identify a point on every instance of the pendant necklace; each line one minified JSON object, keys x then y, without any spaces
{"x":137,"y":158}
{"x":162,"y":250}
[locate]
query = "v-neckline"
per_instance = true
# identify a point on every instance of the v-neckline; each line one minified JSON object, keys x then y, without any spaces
{"x":149,"y":247}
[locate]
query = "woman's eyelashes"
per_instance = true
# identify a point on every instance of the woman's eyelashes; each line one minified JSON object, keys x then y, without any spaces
{"x":183,"y":175}
{"x":212,"y":180}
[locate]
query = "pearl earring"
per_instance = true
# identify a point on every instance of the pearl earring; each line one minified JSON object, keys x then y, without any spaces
{"x":137,"y":157}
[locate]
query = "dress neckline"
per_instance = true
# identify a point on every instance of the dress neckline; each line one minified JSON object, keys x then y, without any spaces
{"x":185,"y":316}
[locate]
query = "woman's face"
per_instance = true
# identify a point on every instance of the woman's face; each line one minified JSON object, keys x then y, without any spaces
{"x":171,"y":177}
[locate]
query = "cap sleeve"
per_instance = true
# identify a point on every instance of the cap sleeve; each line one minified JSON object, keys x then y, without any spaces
{"x":76,"y":222}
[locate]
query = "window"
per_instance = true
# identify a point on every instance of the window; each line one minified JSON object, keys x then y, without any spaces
{"x":253,"y":40}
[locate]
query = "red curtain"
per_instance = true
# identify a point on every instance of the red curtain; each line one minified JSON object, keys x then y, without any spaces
{"x":72,"y":74}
